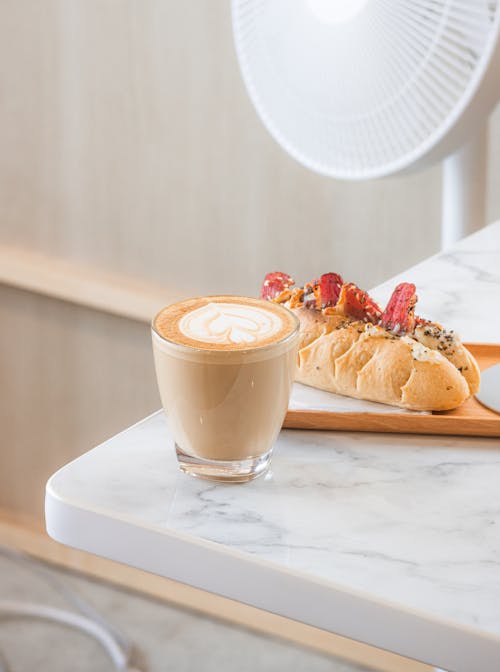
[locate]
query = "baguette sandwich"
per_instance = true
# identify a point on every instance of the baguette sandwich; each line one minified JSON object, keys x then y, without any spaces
{"x":349,"y":346}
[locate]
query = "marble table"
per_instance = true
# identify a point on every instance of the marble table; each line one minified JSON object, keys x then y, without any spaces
{"x":392,"y":540}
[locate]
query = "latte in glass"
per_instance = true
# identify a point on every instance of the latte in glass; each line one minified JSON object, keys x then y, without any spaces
{"x":225,"y":367}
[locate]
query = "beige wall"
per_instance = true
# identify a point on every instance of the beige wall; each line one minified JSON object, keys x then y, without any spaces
{"x":71,"y":377}
{"x":127,"y":142}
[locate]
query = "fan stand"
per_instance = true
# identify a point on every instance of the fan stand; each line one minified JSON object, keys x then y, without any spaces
{"x":464,"y":190}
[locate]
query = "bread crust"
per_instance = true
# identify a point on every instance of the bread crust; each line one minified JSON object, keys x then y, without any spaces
{"x":364,"y":361}
{"x":433,"y":336}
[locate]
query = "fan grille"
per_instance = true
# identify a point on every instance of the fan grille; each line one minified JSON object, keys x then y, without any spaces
{"x":368,"y":96}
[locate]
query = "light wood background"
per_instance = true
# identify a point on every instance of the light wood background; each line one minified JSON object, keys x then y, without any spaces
{"x":133,"y":170}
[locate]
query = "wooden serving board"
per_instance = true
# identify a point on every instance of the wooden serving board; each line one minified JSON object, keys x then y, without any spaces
{"x":469,"y":419}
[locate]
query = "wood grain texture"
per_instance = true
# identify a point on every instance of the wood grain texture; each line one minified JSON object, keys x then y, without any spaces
{"x":128,"y":142}
{"x":26,"y":535}
{"x":71,"y":377}
{"x":81,"y":284}
{"x":469,"y":419}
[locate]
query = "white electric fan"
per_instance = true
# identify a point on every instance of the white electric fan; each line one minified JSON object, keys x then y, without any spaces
{"x":359,"y":89}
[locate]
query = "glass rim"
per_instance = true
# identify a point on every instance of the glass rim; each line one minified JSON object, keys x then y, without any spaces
{"x":218,"y":351}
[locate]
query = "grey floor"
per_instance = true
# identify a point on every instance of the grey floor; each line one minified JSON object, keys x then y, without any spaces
{"x":167,"y":638}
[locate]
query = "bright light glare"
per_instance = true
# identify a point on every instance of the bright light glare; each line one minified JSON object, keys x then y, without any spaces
{"x":336,"y":11}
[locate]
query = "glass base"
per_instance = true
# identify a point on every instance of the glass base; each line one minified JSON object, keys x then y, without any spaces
{"x":229,"y":471}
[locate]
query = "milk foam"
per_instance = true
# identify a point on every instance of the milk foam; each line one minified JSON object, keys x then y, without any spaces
{"x":230,"y":324}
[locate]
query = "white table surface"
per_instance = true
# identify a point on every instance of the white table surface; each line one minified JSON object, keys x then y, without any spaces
{"x":392,"y":540}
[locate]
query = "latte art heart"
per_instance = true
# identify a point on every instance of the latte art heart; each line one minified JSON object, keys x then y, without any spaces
{"x":230,"y":323}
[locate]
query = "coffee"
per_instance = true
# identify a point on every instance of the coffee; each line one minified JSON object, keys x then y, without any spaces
{"x":225,"y":366}
{"x":224,"y":323}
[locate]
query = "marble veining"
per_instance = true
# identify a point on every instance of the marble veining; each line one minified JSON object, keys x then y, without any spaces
{"x":459,"y":288}
{"x":410,"y":519}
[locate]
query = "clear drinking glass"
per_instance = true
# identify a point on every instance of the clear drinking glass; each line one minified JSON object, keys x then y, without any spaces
{"x":225,"y":407}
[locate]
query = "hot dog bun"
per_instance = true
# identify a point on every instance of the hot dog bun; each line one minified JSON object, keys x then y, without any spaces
{"x":433,"y":336}
{"x":358,"y":359}
{"x":350,"y":346}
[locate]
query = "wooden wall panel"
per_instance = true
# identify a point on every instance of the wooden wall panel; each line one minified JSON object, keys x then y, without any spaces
{"x":70,"y":378}
{"x":128,"y":141}
{"x":82,"y":284}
